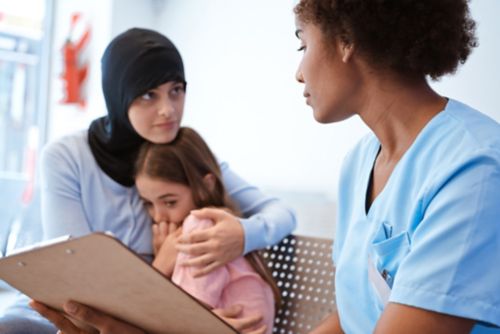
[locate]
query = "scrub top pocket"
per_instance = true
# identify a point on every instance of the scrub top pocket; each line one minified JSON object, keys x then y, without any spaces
{"x":388,"y":251}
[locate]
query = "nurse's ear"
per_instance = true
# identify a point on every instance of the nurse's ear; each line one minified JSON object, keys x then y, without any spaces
{"x":347,"y":50}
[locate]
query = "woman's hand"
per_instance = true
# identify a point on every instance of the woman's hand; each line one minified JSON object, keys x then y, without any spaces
{"x":215,"y":246}
{"x":242,"y":325}
{"x":98,"y":321}
{"x":165,"y":238}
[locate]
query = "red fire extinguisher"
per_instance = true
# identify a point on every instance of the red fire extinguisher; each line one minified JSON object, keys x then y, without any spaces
{"x":75,"y":67}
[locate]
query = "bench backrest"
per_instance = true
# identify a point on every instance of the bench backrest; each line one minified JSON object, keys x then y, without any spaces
{"x":303,"y":270}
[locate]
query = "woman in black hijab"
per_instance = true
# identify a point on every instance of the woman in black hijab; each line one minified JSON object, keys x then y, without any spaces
{"x":87,"y":178}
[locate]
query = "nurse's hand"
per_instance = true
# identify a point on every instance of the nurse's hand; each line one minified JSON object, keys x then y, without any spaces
{"x":242,"y":325}
{"x":216,"y":246}
{"x":329,"y":325}
{"x":97,"y":321}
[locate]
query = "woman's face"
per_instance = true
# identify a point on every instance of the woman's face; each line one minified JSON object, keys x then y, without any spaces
{"x":165,"y":201}
{"x":331,"y":80}
{"x":156,"y":115}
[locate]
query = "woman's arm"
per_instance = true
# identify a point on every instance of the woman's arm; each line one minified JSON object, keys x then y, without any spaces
{"x":62,"y":210}
{"x":330,"y":325}
{"x":104,"y":324}
{"x":98,"y":321}
{"x":268,"y":221}
{"x":399,"y":318}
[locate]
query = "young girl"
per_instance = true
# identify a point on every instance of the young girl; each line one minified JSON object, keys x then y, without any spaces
{"x":175,"y":178}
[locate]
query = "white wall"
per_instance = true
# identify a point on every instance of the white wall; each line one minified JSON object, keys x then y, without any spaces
{"x":242,"y":95}
{"x":477,"y":83}
{"x":240,"y":59}
{"x":240,"y":64}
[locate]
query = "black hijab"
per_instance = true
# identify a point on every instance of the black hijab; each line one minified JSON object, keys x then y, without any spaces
{"x":135,"y":62}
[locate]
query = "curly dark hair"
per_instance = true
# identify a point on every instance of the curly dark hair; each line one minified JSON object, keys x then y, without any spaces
{"x":424,"y":37}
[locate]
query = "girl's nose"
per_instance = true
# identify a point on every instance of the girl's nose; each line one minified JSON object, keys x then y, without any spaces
{"x":160,"y":216}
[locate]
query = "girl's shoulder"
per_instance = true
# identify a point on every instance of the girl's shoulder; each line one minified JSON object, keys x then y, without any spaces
{"x":192,"y":223}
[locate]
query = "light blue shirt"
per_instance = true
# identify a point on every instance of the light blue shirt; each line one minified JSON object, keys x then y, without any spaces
{"x":434,"y":229}
{"x":79,"y":198}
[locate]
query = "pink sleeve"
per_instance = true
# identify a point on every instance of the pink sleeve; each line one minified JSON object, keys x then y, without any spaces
{"x":207,"y":288}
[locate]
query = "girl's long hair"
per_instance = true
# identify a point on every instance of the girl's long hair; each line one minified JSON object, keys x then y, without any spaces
{"x":187,"y":160}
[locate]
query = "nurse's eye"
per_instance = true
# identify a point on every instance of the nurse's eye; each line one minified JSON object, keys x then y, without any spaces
{"x":301,"y":48}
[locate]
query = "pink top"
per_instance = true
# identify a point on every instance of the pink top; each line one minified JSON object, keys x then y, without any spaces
{"x":235,"y":283}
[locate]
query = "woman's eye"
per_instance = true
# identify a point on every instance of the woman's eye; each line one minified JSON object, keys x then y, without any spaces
{"x":148,"y":96}
{"x":301,"y":48}
{"x":147,"y":204}
{"x":177,"y":90}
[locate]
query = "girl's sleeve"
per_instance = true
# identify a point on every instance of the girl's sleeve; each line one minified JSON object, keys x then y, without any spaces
{"x":266,"y":219}
{"x":207,"y":288}
{"x":61,"y":203}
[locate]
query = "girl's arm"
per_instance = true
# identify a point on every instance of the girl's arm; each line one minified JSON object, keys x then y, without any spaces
{"x":165,"y":237}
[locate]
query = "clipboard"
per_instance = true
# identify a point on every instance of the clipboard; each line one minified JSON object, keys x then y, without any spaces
{"x":101,"y":272}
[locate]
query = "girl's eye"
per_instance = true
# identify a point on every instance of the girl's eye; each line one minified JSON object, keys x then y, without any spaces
{"x":146,"y":204}
{"x":170,"y":203}
{"x":301,"y":48}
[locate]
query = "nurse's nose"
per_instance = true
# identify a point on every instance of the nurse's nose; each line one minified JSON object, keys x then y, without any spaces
{"x":298,"y":75}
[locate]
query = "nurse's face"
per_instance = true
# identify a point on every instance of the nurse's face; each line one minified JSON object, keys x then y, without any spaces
{"x":156,"y":115}
{"x":331,"y":80}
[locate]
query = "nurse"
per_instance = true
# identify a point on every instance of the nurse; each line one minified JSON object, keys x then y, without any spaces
{"x":418,"y":230}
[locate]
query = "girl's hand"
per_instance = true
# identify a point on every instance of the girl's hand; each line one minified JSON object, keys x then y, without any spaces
{"x":215,"y":246}
{"x":165,"y":238}
{"x":160,"y":232}
{"x":97,"y":321}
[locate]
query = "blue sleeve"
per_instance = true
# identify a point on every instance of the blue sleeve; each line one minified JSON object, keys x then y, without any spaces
{"x":267,"y":220}
{"x":452,"y":265}
{"x":61,"y":208}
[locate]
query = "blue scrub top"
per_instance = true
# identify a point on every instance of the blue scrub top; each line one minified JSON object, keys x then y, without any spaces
{"x":434,"y":230}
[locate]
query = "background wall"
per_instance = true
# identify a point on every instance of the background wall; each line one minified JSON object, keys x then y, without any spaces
{"x":240,"y":59}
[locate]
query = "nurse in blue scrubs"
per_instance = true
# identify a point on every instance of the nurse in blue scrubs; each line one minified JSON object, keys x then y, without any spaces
{"x":417,"y":244}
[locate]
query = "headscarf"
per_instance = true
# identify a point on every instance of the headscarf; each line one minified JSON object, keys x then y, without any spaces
{"x":135,"y":62}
